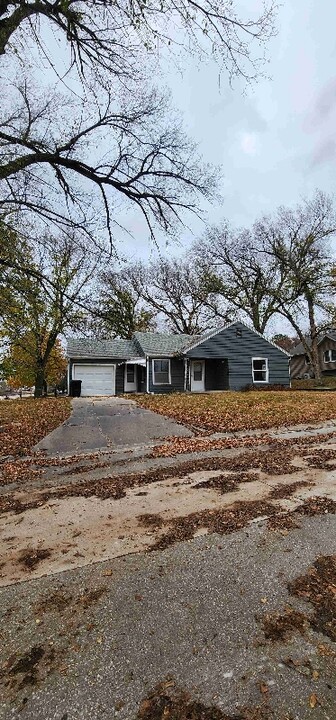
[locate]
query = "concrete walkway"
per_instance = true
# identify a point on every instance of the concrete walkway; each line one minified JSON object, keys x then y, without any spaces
{"x":98,"y":423}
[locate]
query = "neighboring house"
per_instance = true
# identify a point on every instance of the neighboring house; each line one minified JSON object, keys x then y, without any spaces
{"x":300,"y":366}
{"x":228,"y":358}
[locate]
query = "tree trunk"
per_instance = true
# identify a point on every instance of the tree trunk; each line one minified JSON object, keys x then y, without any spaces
{"x":314,"y":347}
{"x":40,"y":382}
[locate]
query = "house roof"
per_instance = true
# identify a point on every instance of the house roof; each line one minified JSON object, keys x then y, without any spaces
{"x":299,"y":349}
{"x":98,"y":349}
{"x":164,"y":344}
{"x":144,"y":343}
{"x":198,"y":340}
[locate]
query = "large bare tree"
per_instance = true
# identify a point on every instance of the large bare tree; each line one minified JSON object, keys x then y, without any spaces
{"x":297,"y":241}
{"x":108,"y":143}
{"x":246,"y":278}
{"x":108,"y":34}
{"x":181,"y":291}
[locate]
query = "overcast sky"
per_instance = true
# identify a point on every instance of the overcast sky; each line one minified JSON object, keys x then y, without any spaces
{"x":277,"y":142}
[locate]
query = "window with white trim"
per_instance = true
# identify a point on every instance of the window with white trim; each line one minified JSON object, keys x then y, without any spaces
{"x":259,"y":370}
{"x":161,"y":372}
{"x":329,"y":356}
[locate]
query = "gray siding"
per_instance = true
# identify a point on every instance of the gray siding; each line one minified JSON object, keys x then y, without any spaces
{"x":299,"y":367}
{"x":238,"y":344}
{"x":177,"y":377}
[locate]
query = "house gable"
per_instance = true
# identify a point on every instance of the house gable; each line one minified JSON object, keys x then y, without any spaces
{"x":238,"y":344}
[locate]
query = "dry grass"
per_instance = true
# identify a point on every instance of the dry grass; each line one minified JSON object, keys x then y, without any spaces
{"x":24,"y":422}
{"x":233,"y":411}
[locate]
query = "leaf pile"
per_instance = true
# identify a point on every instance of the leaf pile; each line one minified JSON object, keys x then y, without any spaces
{"x":24,"y":422}
{"x":318,"y":587}
{"x":281,"y":626}
{"x":233,"y":411}
{"x":166,"y":702}
{"x":223,"y":522}
{"x":182,"y":445}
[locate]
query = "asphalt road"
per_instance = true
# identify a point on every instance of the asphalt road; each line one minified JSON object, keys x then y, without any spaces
{"x":98,"y":423}
{"x":91,"y":643}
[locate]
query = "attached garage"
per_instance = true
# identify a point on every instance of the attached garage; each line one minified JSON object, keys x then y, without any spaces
{"x":96,"y":379}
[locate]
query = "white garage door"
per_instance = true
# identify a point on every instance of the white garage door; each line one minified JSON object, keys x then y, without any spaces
{"x":96,"y":379}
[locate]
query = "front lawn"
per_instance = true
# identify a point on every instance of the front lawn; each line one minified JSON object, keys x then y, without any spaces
{"x":232,"y":411}
{"x":24,"y":422}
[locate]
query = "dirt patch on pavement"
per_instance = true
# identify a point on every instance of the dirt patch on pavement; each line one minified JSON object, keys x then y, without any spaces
{"x":31,"y":557}
{"x":318,"y":587}
{"x":150,"y":520}
{"x":167,"y":702}
{"x":79,"y":469}
{"x":58,"y":601}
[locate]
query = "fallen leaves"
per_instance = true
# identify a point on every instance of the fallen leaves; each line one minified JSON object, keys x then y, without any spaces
{"x":233,"y":411}
{"x":318,"y":587}
{"x":24,"y":422}
{"x":168,"y":702}
{"x":280,"y":626}
{"x":313,"y":700}
{"x":223,"y":522}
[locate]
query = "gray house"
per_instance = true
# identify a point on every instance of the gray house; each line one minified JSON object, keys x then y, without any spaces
{"x":300,"y":366}
{"x":228,"y":358}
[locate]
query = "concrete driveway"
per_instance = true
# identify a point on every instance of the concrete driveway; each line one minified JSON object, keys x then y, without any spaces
{"x":98,"y":423}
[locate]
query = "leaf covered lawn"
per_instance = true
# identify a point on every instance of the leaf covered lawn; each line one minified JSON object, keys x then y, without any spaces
{"x":24,"y":422}
{"x":232,"y":411}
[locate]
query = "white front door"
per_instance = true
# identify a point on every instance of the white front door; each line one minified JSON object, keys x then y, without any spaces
{"x":197,"y":376}
{"x":130,"y":378}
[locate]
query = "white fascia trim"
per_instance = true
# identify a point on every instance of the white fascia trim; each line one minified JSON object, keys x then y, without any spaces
{"x":147,"y":374}
{"x":225,"y":327}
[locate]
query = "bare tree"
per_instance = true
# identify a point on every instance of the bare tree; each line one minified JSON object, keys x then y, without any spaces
{"x":55,"y":169}
{"x":118,"y":309}
{"x":107,"y":34}
{"x":179,"y":290}
{"x":297,"y":241}
{"x":246,"y":277}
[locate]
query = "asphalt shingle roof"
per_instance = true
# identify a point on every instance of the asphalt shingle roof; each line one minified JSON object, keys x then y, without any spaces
{"x":102,"y":349}
{"x":164,"y":344}
{"x":299,"y":349}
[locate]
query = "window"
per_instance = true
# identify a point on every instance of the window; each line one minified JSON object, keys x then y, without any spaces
{"x":198,"y":371}
{"x":329,"y":356}
{"x":130,"y":374}
{"x":307,"y":361}
{"x":259,"y":370}
{"x":161,"y":372}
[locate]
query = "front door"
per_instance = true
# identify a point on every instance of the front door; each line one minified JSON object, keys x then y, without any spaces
{"x":130,"y":378}
{"x":197,"y":376}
